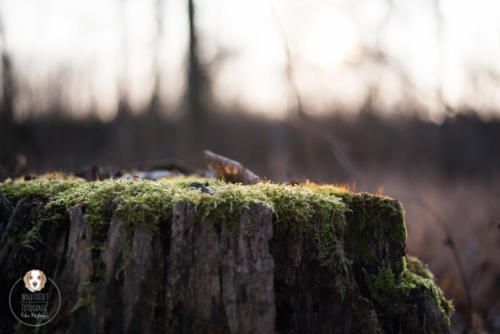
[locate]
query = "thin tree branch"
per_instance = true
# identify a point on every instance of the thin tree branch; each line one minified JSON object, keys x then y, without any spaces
{"x":308,"y":145}
{"x":450,"y":243}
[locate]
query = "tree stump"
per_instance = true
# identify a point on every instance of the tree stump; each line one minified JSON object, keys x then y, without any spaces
{"x":160,"y":256}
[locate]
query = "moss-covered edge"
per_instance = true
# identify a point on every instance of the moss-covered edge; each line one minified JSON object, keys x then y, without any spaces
{"x":391,"y":291}
{"x":140,"y":201}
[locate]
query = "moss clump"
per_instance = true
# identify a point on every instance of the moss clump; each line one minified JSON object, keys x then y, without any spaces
{"x":375,"y":222}
{"x":422,"y":276}
{"x":296,"y":209}
{"x":391,"y":291}
{"x":43,"y":187}
{"x":416,"y":267}
{"x":153,"y":201}
{"x":372,"y":223}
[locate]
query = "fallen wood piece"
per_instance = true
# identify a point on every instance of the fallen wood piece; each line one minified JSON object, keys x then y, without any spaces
{"x":230,"y":170}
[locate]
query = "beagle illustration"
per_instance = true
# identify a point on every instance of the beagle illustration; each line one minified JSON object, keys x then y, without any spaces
{"x":34,"y":280}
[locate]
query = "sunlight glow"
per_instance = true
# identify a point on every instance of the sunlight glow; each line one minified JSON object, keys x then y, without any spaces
{"x":330,"y":40}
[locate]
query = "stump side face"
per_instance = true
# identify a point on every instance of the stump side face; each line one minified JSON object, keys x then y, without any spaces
{"x":220,"y":279}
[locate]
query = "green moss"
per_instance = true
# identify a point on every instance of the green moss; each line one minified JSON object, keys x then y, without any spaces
{"x":295,"y":208}
{"x":138,"y":201}
{"x":391,"y":291}
{"x":43,"y":187}
{"x":421,"y":274}
{"x":372,"y":223}
{"x":416,"y":266}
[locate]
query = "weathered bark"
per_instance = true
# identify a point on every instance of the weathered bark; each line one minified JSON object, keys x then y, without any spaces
{"x":220,"y":281}
{"x":204,"y":276}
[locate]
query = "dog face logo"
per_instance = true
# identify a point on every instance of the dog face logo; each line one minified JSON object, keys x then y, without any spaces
{"x":34,"y":280}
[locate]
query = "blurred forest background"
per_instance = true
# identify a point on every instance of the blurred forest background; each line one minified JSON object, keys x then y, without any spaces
{"x":389,"y":96}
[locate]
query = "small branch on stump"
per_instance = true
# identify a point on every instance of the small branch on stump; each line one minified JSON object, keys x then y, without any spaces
{"x":230,"y":170}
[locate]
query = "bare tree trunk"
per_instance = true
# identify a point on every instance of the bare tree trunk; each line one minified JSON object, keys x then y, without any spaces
{"x":155,"y":103}
{"x":7,"y":133}
{"x":196,"y":88}
{"x":123,"y":103}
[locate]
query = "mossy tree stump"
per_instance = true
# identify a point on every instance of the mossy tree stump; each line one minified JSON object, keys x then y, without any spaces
{"x":163,"y":256}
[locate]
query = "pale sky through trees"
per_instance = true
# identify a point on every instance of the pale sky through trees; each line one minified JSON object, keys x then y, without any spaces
{"x":333,"y":43}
